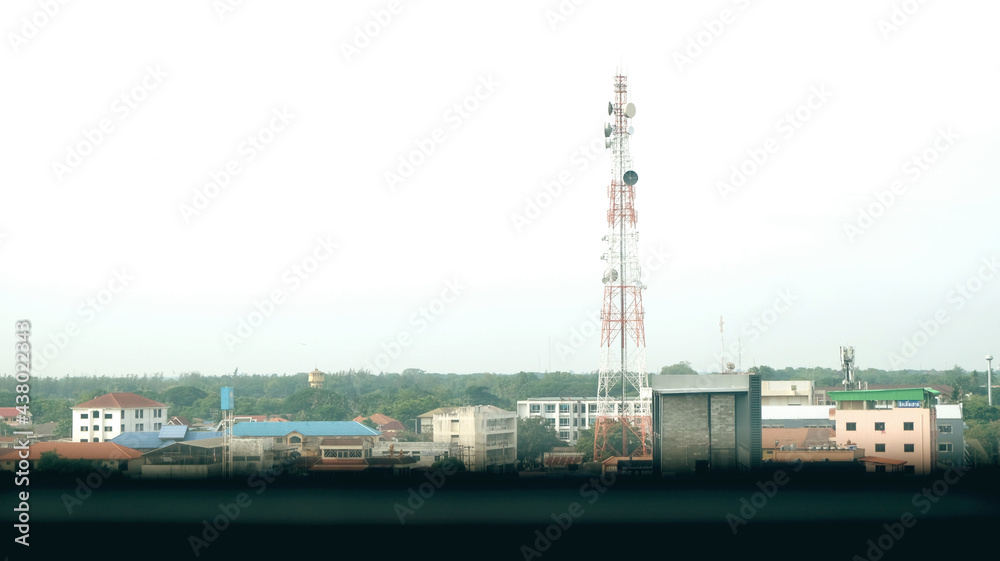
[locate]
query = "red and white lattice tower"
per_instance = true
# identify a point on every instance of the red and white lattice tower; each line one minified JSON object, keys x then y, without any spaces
{"x":623,"y":394}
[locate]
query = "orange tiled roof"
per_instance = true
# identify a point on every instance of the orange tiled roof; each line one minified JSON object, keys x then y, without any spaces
{"x":76,"y":451}
{"x":120,"y":401}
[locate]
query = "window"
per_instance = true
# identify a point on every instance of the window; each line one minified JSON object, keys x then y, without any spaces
{"x":907,"y":426}
{"x":564,"y":422}
{"x":945,"y":447}
{"x":107,"y":415}
{"x":575,"y":422}
{"x":944,"y":428}
{"x":294,"y":439}
{"x":883,"y":404}
{"x":96,"y":439}
{"x":84,"y":429}
{"x":97,"y":427}
{"x":574,"y":408}
{"x":851,"y":426}
{"x":550,"y":407}
{"x":880,"y":426}
{"x":592,"y":407}
{"x":550,"y":421}
{"x":564,"y":408}
{"x":157,"y":426}
{"x":880,"y":447}
{"x":123,"y":428}
{"x":907,"y":448}
{"x":107,"y":429}
{"x":139,"y":427}
{"x":535,"y":408}
{"x":95,"y":414}
{"x":138,"y":413}
{"x":83,"y":440}
{"x":157,"y":413}
{"x":83,"y":415}
{"x":564,"y":435}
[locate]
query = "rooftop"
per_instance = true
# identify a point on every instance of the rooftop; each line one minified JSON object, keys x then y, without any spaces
{"x":305,"y":428}
{"x":917,"y":394}
{"x":76,"y":451}
{"x":119,"y":401}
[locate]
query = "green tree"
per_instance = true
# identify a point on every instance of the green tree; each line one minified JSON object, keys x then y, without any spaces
{"x":451,"y":463}
{"x":683,"y":367}
{"x":534,"y":436}
{"x":182,"y":396}
{"x":988,"y":435}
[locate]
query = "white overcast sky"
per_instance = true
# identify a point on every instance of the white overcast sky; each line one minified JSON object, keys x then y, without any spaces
{"x":116,"y":277}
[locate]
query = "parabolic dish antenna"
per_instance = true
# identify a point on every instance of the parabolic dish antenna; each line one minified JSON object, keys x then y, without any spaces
{"x":611,"y":275}
{"x":630,"y":177}
{"x":607,"y":143}
{"x":631,"y":130}
{"x":607,"y":129}
{"x":630,"y":110}
{"x":611,"y":108}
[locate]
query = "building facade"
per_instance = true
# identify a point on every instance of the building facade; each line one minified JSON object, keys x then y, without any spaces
{"x":485,"y":435}
{"x":107,"y":416}
{"x":892,"y":426}
{"x":706,"y":424}
{"x":786,"y":392}
{"x":566,"y":415}
{"x":951,"y":435}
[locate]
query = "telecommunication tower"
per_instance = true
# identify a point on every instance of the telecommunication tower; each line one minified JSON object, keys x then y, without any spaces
{"x":623,"y":393}
{"x":847,"y":364}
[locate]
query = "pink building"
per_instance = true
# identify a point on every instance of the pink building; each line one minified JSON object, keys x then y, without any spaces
{"x":892,"y":426}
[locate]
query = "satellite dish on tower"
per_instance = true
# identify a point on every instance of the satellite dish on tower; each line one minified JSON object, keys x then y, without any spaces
{"x":630,"y":177}
{"x":631,"y":130}
{"x":630,"y":110}
{"x":607,"y":129}
{"x":607,"y":143}
{"x":730,"y":366}
{"x":611,"y":275}
{"x":610,"y":108}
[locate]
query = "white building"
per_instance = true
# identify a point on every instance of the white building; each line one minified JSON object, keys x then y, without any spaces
{"x":566,"y":415}
{"x":486,"y":436}
{"x":107,"y":416}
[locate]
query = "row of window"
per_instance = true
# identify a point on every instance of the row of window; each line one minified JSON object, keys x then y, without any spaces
{"x":139,"y":427}
{"x":139,"y":414}
{"x":878,"y":426}
{"x":563,"y":407}
{"x":906,"y":447}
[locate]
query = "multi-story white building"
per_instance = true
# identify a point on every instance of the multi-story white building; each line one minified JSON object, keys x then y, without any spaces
{"x":568,"y":415}
{"x":486,"y":436}
{"x":107,"y":416}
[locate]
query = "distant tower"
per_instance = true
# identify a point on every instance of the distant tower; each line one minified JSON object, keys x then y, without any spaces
{"x":623,"y":393}
{"x":316,"y":379}
{"x":850,"y":381}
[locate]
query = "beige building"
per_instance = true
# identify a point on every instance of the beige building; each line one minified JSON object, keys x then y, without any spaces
{"x":786,"y":392}
{"x":896,"y":428}
{"x":486,"y":436}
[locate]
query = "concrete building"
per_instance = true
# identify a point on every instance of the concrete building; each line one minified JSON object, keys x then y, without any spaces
{"x":486,"y":436}
{"x":313,"y":440}
{"x":951,"y":435}
{"x":706,"y":424}
{"x":107,"y":416}
{"x":898,"y":429}
{"x":786,"y":392}
{"x":426,"y":421}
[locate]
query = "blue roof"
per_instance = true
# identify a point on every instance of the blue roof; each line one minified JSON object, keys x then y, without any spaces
{"x":202,"y":434}
{"x":305,"y":428}
{"x":173,"y":431}
{"x":140,"y":440}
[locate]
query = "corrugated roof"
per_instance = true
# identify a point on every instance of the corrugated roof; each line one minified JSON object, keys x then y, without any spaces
{"x":140,"y":440}
{"x":76,"y":451}
{"x":949,"y":411}
{"x":895,"y":394}
{"x":120,"y":401}
{"x":305,"y":428}
{"x":176,"y":432}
